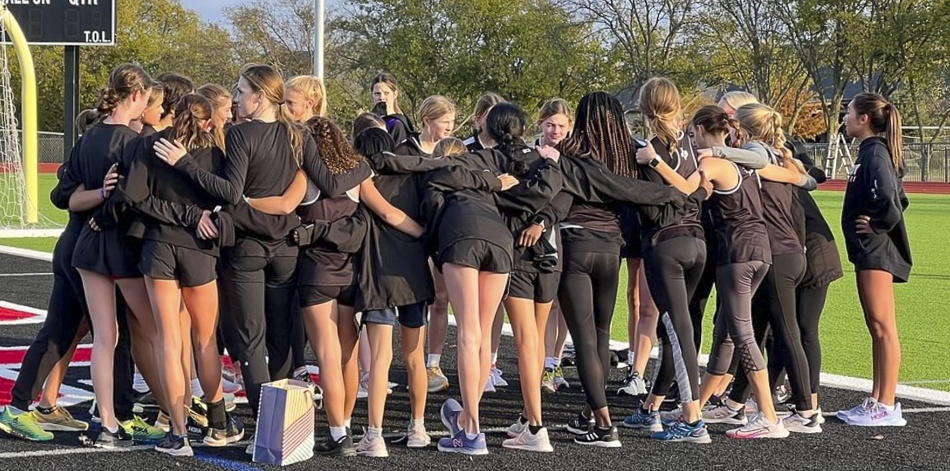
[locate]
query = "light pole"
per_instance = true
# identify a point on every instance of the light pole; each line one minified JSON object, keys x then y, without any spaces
{"x":319,"y":18}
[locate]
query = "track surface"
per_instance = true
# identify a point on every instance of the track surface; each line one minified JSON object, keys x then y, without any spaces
{"x":921,"y":445}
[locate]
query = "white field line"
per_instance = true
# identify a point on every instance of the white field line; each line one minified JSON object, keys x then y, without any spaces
{"x":26,"y":253}
{"x":29,"y":233}
{"x":14,"y":275}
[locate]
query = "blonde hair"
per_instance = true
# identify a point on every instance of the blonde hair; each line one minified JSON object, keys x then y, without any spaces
{"x":660,"y":103}
{"x":737,"y":99}
{"x":449,"y":147}
{"x":157,"y":93}
{"x":312,"y":88}
{"x":267,"y":80}
{"x":219,"y":97}
{"x":436,"y":106}
{"x":486,"y":102}
{"x":189,"y":112}
{"x":555,"y":107}
{"x":761,"y":123}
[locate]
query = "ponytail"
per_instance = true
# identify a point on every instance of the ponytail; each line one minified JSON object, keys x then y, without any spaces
{"x":295,"y":135}
{"x":883,"y":118}
{"x":108,"y":101}
{"x":189,"y":112}
{"x":892,"y":134}
{"x":660,"y":103}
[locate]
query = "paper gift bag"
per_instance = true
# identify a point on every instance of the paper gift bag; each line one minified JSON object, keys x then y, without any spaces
{"x":284,"y":423}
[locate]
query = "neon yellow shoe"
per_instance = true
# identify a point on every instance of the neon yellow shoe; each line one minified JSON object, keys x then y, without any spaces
{"x":23,"y":425}
{"x":141,"y":430}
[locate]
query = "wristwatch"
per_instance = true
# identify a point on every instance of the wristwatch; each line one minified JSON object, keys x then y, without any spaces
{"x":655,"y":161}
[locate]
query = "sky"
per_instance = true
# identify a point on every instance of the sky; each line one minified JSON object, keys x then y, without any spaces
{"x":212,"y":10}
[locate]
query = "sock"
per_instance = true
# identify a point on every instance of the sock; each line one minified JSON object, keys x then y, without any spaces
{"x":434,"y":359}
{"x":550,"y":363}
{"x":373,"y":432}
{"x":522,"y":419}
{"x":494,"y":358}
{"x":217,"y":415}
{"x":416,"y":423}
{"x":337,"y":433}
{"x":470,"y":436}
{"x":693,"y":424}
{"x":733,"y":405}
{"x":196,"y":388}
{"x":348,"y":422}
{"x":630,"y":357}
{"x":534,"y":429}
{"x":44,"y":410}
{"x":113,"y":430}
{"x":886,"y":407}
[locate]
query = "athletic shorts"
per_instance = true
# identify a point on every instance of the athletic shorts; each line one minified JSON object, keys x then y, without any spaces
{"x":412,"y":316}
{"x":478,"y":254}
{"x":164,"y":261}
{"x":314,"y":295}
{"x":540,"y":287}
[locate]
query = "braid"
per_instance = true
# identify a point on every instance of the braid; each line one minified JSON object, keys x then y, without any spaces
{"x":602,"y":132}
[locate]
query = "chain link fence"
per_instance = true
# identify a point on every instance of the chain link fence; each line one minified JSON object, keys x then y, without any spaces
{"x":924,"y":162}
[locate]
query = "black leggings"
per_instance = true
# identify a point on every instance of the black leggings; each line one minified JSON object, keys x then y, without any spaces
{"x":775,"y":306}
{"x":588,"y":293}
{"x":811,"y":302}
{"x":674,"y":268}
{"x":697,"y":302}
{"x":257,"y":294}
{"x":736,"y":283}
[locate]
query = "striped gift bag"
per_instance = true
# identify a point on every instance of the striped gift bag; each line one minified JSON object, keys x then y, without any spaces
{"x":284,"y":423}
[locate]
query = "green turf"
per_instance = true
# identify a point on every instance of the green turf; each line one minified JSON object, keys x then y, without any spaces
{"x":49,"y":215}
{"x":923,"y":319}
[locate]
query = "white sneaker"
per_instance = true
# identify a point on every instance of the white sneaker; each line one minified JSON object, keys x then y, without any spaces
{"x":418,"y":438}
{"x":759,"y":427}
{"x":528,"y":442}
{"x":437,"y":380}
{"x":495,"y":377}
{"x":724,"y":415}
{"x":800,"y":424}
{"x":517,"y":428}
{"x":229,"y":387}
{"x":861,"y":408}
{"x":363,"y":391}
{"x":372,"y":447}
{"x":633,"y":385}
{"x":879,"y":416}
{"x":559,"y":381}
{"x":821,"y":417}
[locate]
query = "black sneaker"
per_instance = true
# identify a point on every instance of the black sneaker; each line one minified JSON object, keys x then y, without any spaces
{"x":147,"y":401}
{"x":330,"y":447}
{"x":111,"y":441}
{"x":233,"y":432}
{"x":175,"y":445}
{"x":301,"y":374}
{"x":196,"y":424}
{"x":600,"y":437}
{"x":580,"y":425}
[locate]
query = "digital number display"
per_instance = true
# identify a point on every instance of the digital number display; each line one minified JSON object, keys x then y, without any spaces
{"x":65,"y":22}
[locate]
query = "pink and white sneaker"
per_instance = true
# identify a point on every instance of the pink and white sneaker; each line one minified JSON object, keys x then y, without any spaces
{"x":759,"y":427}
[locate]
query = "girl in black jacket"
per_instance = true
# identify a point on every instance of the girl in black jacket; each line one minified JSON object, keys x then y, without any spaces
{"x":872,"y":220}
{"x":386,"y":105}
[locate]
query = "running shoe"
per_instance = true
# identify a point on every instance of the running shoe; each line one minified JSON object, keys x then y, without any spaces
{"x":800,"y":424}
{"x":418,"y":438}
{"x":437,"y":380}
{"x":668,"y":418}
{"x":495,"y":376}
{"x":821,"y":417}
{"x":725,"y":415}
{"x":94,"y":412}
{"x":600,"y":437}
{"x":22,"y":425}
{"x":759,"y":427}
{"x":230,"y":387}
{"x":111,"y":441}
{"x":59,"y":420}
{"x":879,"y":415}
{"x":684,"y":432}
{"x":460,"y":443}
{"x":559,"y":381}
{"x":163,"y":422}
{"x":303,"y":375}
{"x":175,"y":445}
{"x":230,"y":374}
{"x":527,"y":441}
{"x":782,"y":393}
{"x":547,"y":381}
{"x":644,"y":420}
{"x":363,"y":391}
{"x":341,"y":447}
{"x":520,"y":425}
{"x":232,"y":432}
{"x":580,"y":425}
{"x":198,"y":412}
{"x":449,"y":414}
{"x":861,"y":408}
{"x":147,"y":401}
{"x":140,"y":430}
{"x":372,"y":447}
{"x":633,"y":385}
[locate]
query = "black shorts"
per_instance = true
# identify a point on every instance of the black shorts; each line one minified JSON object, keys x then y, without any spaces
{"x":478,"y":254}
{"x":164,"y":261}
{"x":412,"y":316}
{"x":540,"y":287}
{"x":314,"y":295}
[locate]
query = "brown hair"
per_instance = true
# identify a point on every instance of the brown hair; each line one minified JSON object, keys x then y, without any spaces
{"x":124,"y":81}
{"x":86,"y":119}
{"x":713,"y":119}
{"x":367,"y":120}
{"x":449,"y":147}
{"x":267,"y":80}
{"x":175,"y":87}
{"x":334,"y":148}
{"x":390,"y":81}
{"x":883,"y":118}
{"x":601,"y":131}
{"x":660,"y":103}
{"x":189,"y":112}
{"x":216,"y":94}
{"x":555,"y":107}
{"x":312,"y":88}
{"x":486,"y":102}
{"x":762,"y":123}
{"x":158,"y":91}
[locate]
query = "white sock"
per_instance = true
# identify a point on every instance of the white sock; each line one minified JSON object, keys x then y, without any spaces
{"x":886,"y":407}
{"x":348,"y":422}
{"x":373,"y":432}
{"x":494,"y":358}
{"x":113,"y":430}
{"x":550,"y":362}
{"x":733,"y":404}
{"x":471,"y":436}
{"x":434,"y":360}
{"x":337,"y":432}
{"x":196,"y":388}
{"x":415,"y":424}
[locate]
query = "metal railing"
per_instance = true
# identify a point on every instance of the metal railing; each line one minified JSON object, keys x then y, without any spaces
{"x":923,"y":162}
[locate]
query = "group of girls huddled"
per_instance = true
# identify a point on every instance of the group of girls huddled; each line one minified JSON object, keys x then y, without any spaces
{"x":209,"y":218}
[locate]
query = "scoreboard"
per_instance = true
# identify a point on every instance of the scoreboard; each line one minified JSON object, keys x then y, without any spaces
{"x":65,"y":22}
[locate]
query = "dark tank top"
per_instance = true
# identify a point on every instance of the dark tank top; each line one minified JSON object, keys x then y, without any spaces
{"x":740,"y":230}
{"x":778,"y":200}
{"x":684,"y":162}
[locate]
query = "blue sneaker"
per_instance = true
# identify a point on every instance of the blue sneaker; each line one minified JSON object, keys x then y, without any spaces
{"x":684,"y":432}
{"x":644,"y":420}
{"x":450,"y":416}
{"x":460,"y":443}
